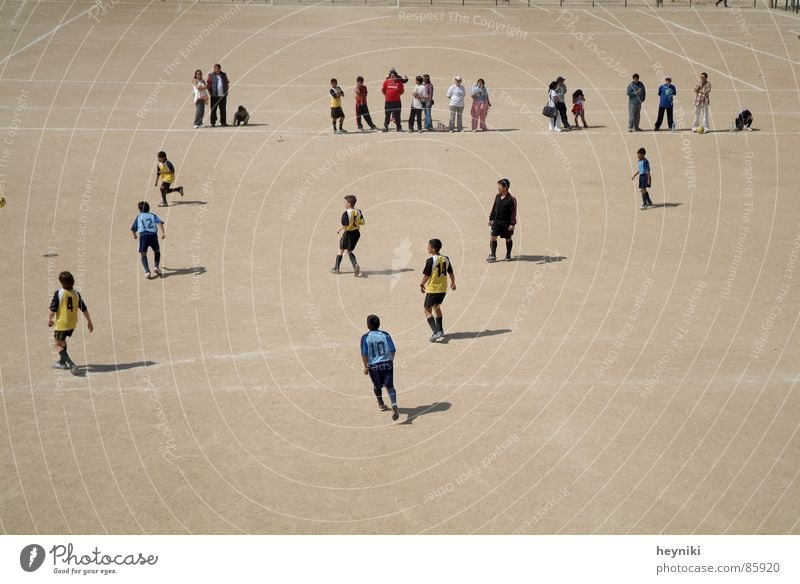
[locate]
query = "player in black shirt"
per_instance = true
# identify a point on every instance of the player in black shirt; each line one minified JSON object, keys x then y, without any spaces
{"x":502,"y":219}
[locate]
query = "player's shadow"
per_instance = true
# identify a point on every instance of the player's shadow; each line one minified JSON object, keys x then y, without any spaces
{"x":539,"y":259}
{"x":114,"y":367}
{"x":666,"y":205}
{"x":182,"y":202}
{"x":194,"y":270}
{"x":248,"y":125}
{"x":414,"y":413}
{"x":472,"y":335}
{"x":386,"y":272}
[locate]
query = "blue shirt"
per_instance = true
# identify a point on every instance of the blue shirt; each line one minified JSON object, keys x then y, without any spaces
{"x":146,"y":223}
{"x":666,"y":94}
{"x":377,"y":346}
{"x":644,"y":166}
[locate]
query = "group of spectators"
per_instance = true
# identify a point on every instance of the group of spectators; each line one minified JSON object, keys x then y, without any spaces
{"x":666,"y":95}
{"x":212,"y":90}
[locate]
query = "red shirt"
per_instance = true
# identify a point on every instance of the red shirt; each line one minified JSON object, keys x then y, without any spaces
{"x":361,"y":95}
{"x":393,"y":89}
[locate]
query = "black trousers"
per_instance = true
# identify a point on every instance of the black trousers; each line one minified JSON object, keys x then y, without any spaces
{"x":363,"y":110}
{"x":562,"y":111}
{"x":392,"y":109}
{"x":416,"y":114}
{"x":221,"y":103}
{"x":660,"y":117}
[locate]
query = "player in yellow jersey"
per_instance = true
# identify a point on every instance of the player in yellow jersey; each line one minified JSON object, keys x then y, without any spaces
{"x":64,"y":316}
{"x":337,"y":113}
{"x":166,"y":172}
{"x":352,"y":220}
{"x":434,"y":286}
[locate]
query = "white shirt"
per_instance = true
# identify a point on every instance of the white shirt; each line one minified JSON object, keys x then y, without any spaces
{"x":553,"y":94}
{"x":456,"y":94}
{"x":220,"y":87}
{"x":417,"y":101}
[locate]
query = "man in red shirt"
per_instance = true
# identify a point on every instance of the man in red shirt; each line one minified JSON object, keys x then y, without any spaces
{"x":393,"y":88}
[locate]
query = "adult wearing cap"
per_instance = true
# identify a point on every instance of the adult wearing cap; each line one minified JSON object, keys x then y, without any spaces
{"x":502,"y":219}
{"x":560,"y":101}
{"x":393,"y":88}
{"x":456,"y":93}
{"x":666,"y":95}
{"x":636,"y":95}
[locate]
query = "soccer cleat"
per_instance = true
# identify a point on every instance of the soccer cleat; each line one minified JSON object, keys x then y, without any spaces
{"x":356,"y":270}
{"x":385,"y":129}
{"x":147,"y":275}
{"x":433,"y":337}
{"x":382,"y":407}
{"x":75,"y":370}
{"x":395,"y":412}
{"x":163,"y":205}
{"x":180,"y":190}
{"x":59,"y":365}
{"x":508,"y":258}
{"x":491,"y":258}
{"x":334,"y":271}
{"x":438,"y":335}
{"x":643,"y":207}
{"x":156,"y":272}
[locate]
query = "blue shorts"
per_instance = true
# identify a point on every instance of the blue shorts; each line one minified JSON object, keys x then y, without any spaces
{"x":643,"y":180}
{"x":382,"y":375}
{"x":146,"y":240}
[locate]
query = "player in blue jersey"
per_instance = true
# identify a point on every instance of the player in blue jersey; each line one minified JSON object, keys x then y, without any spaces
{"x":145,"y":229}
{"x":377,"y":353}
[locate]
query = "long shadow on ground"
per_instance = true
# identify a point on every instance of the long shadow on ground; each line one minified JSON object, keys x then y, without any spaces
{"x":414,"y":413}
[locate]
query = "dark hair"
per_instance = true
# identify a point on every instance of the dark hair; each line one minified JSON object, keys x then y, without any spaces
{"x":552,"y":85}
{"x":162,"y":153}
{"x":240,"y":108}
{"x":436,"y":244}
{"x":360,"y":79}
{"x":373,"y":322}
{"x":641,"y":151}
{"x":481,"y":81}
{"x":217,"y":65}
{"x":426,"y":76}
{"x":67,"y":280}
{"x":636,"y":76}
{"x":351,"y":199}
{"x":704,"y":74}
{"x":504,"y":182}
{"x":576,"y":93}
{"x":144,"y":206}
{"x":196,"y":71}
{"x":334,"y":80}
{"x":419,"y":79}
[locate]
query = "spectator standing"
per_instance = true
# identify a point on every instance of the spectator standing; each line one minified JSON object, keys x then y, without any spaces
{"x":218,"y":86}
{"x":555,"y":121}
{"x":456,"y":93}
{"x":636,"y":95}
{"x":480,"y":105}
{"x":427,"y":103}
{"x":361,"y":105}
{"x":666,"y":96}
{"x":393,"y":88}
{"x":200,"y":98}
{"x":416,"y":105}
{"x":702,"y":100}
{"x":561,"y":104}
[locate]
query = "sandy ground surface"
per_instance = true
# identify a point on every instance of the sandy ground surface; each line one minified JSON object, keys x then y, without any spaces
{"x":631,"y":372}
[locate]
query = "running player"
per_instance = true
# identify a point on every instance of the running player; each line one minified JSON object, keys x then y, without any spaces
{"x":352,"y":220}
{"x":434,"y":286}
{"x":64,"y":316}
{"x":502,"y":219}
{"x":166,"y":172}
{"x":377,"y":354}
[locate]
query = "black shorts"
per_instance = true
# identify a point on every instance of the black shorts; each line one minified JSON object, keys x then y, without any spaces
{"x":644,"y":179}
{"x":349,"y":240}
{"x":432,"y":300}
{"x":500,"y":229}
{"x":146,"y":240}
{"x":382,"y":375}
{"x":62,"y":335}
{"x":336,"y":113}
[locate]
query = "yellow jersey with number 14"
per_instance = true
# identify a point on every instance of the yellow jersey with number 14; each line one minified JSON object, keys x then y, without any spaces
{"x":437,"y":268}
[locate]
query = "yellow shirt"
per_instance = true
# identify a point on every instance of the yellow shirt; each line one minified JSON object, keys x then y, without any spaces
{"x":336,"y":97}
{"x":66,"y":304}
{"x":354,"y":218}
{"x":437,"y":267}
{"x":165,"y":172}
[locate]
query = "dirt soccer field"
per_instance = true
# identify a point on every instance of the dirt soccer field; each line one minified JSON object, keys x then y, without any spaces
{"x":631,"y":372}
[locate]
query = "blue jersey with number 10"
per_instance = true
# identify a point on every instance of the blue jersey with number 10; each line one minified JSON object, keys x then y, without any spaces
{"x":377,"y":346}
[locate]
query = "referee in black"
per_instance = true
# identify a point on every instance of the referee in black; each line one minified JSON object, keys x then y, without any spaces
{"x":502,"y":219}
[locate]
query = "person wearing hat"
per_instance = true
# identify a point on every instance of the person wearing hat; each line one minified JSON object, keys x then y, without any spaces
{"x":636,"y":95}
{"x":561,"y":104}
{"x":666,"y":95}
{"x":456,"y":93}
{"x":502,"y":219}
{"x":393,"y":88}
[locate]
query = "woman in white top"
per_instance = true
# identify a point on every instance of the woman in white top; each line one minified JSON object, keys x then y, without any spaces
{"x":456,"y":93}
{"x":552,"y":94}
{"x":416,"y":105}
{"x":200,"y":98}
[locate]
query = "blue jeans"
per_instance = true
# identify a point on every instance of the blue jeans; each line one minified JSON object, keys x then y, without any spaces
{"x":426,"y":110}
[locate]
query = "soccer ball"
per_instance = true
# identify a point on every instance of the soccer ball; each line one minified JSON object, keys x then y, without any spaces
{"x":2,"y":201}
{"x":701,"y":130}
